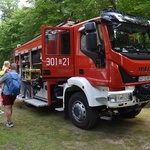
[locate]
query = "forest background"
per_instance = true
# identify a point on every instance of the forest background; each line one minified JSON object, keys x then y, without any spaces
{"x":20,"y":24}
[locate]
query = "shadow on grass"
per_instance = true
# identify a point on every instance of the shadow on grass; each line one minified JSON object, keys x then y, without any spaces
{"x":39,"y":111}
{"x":116,"y":125}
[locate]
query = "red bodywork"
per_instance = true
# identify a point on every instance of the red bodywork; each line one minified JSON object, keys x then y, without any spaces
{"x":35,"y":43}
{"x":63,"y":67}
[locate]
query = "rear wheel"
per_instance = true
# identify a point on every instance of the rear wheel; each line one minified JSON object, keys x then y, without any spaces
{"x":80,"y":113}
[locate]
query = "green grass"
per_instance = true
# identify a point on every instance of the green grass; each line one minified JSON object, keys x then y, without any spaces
{"x":45,"y":129}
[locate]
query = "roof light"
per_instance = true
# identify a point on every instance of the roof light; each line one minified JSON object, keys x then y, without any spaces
{"x":116,"y":16}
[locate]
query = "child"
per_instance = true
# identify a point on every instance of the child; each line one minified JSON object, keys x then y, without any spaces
{"x":1,"y":99}
{"x":5,"y":68}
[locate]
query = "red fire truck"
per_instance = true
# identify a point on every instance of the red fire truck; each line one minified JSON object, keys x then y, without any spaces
{"x":94,"y":69}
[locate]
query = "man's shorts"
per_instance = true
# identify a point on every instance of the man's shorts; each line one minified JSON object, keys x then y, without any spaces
{"x":8,"y":99}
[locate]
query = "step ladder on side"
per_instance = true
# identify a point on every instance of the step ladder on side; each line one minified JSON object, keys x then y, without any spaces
{"x":40,"y":103}
{"x":32,"y":101}
{"x":61,"y":98}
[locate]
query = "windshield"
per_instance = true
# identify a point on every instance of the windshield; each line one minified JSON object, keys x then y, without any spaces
{"x":127,"y":38}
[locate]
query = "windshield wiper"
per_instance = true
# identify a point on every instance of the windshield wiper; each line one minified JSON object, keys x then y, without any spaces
{"x":132,"y":49}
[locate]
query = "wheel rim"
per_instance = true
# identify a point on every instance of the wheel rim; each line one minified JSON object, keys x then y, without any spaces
{"x":79,"y":111}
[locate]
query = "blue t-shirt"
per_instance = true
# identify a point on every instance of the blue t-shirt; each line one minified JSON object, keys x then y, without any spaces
{"x":6,"y":78}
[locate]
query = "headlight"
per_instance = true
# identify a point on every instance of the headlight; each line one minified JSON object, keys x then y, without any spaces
{"x":120,"y":98}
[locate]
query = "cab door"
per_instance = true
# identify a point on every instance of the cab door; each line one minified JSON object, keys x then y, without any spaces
{"x":57,"y":52}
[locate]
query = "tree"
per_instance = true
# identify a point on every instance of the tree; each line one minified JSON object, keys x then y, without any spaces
{"x":138,"y":7}
{"x":7,"y":8}
{"x":20,"y":25}
{"x":11,"y":34}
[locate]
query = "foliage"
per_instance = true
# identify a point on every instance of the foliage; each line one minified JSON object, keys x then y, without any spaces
{"x":20,"y":25}
{"x":7,"y":8}
{"x":9,"y":36}
{"x":138,"y":7}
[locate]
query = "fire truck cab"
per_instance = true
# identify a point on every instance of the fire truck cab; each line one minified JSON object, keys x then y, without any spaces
{"x":91,"y":69}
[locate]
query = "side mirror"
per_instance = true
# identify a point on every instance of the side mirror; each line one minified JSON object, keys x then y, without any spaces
{"x":91,"y":36}
{"x":90,"y":27}
{"x":91,"y":41}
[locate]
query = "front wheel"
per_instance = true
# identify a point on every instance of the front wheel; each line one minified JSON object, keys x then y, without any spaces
{"x":80,"y":113}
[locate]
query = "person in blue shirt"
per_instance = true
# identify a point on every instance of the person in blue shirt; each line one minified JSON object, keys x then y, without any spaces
{"x":8,"y":100}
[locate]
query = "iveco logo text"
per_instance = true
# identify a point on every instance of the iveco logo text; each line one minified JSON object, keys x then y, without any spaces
{"x":144,"y":69}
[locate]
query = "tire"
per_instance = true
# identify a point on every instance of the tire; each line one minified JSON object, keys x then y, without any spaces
{"x":130,"y":114}
{"x":80,"y":113}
